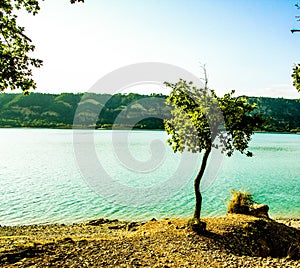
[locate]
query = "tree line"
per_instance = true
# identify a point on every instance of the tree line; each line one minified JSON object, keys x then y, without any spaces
{"x":105,"y":111}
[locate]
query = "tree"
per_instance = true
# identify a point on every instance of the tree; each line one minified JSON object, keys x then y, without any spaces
{"x":201,"y":121}
{"x":296,"y":76}
{"x":296,"y":69}
{"x":16,"y":64}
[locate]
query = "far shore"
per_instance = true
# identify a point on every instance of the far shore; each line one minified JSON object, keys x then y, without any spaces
{"x":71,"y":127}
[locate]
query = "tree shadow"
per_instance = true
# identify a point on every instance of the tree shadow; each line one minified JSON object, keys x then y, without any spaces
{"x":259,"y":238}
{"x":19,"y":254}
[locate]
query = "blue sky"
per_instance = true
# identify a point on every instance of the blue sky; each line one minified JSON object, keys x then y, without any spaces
{"x":246,"y":45}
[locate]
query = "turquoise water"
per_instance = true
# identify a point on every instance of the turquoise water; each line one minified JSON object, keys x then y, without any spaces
{"x":43,"y":181}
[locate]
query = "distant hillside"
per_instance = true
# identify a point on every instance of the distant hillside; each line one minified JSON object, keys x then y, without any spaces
{"x":283,"y":114}
{"x":120,"y":110}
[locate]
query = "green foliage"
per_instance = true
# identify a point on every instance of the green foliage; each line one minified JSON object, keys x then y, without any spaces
{"x":15,"y":47}
{"x":16,"y":64}
{"x":240,"y":202}
{"x":201,"y":120}
{"x":298,"y":7}
{"x":51,"y":110}
{"x":296,"y":76}
{"x":58,"y":111}
{"x":283,"y":114}
{"x":296,"y":69}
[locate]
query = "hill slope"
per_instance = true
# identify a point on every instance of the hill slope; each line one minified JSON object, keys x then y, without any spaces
{"x":120,"y":110}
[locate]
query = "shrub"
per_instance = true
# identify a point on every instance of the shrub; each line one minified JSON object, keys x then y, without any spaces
{"x":240,"y":202}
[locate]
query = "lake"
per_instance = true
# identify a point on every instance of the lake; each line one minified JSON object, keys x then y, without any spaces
{"x":61,"y":176}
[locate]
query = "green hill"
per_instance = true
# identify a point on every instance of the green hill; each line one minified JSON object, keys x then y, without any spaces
{"x":120,"y":111}
{"x":283,"y":114}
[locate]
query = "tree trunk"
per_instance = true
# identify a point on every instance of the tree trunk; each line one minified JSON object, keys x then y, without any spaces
{"x":197,"y":185}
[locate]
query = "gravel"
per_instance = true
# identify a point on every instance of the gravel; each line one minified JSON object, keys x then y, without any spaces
{"x":232,"y":241}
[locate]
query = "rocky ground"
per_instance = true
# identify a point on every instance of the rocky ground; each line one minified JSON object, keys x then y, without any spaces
{"x":231,"y":241}
{"x":295,"y":223}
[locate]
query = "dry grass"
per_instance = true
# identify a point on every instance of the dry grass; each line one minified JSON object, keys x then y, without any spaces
{"x":240,"y":202}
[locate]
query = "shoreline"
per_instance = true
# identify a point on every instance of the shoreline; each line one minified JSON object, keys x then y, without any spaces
{"x":71,"y":127}
{"x":231,"y":241}
{"x":290,"y":221}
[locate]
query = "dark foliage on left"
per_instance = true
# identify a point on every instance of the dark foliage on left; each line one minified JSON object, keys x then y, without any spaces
{"x":16,"y":62}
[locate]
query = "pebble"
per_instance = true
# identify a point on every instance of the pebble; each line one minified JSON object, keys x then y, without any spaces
{"x":97,"y":245}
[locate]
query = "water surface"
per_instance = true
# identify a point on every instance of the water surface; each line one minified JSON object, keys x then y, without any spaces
{"x":41,"y":181}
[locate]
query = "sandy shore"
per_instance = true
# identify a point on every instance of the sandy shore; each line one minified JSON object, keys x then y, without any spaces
{"x":231,"y":241}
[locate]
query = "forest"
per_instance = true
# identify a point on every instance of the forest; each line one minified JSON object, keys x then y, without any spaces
{"x":105,"y":111}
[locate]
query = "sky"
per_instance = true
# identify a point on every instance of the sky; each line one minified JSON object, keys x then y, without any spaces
{"x":246,"y":46}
